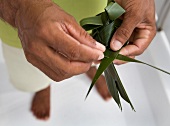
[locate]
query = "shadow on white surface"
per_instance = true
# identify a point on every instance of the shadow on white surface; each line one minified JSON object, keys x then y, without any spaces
{"x":145,"y":86}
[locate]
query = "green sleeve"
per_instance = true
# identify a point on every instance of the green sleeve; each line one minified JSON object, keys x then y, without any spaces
{"x":78,"y":8}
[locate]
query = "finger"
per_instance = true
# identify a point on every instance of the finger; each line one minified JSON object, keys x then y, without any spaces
{"x":70,"y":67}
{"x":141,"y":40}
{"x":54,"y":75}
{"x":120,"y":62}
{"x":97,"y":62}
{"x":124,"y":32}
{"x":77,"y":32}
{"x":73,"y":49}
{"x":59,"y":63}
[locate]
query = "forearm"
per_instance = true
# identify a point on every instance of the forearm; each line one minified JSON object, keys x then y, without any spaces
{"x":11,"y":10}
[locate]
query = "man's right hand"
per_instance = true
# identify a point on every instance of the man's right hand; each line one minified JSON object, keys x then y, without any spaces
{"x":54,"y":42}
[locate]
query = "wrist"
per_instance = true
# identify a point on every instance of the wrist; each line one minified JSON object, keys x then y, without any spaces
{"x":29,"y":11}
{"x":12,"y":11}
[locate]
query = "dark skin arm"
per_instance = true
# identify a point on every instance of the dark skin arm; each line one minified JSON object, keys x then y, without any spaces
{"x":51,"y":38}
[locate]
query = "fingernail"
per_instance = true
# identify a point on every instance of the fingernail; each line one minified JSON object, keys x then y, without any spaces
{"x":101,"y":57}
{"x":100,"y":46}
{"x":115,"y":61}
{"x":116,"y":45}
{"x":107,"y":99}
{"x":96,"y":62}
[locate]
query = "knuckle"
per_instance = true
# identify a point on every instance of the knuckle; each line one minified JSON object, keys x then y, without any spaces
{"x":140,"y":51}
{"x":28,"y":57}
{"x":62,"y":73}
{"x":74,"y":52}
{"x":68,"y":22}
{"x":30,"y":47}
{"x":58,"y":79}
{"x":60,"y":76}
{"x":125,"y":51}
{"x":124,"y":33}
{"x":83,"y":33}
{"x":71,"y":18}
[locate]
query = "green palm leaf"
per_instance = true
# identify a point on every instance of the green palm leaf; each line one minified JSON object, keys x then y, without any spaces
{"x":108,"y":59}
{"x":127,"y":59}
{"x":103,"y":27}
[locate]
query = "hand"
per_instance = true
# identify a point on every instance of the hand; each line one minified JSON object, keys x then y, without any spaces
{"x":54,"y":42}
{"x":138,"y":27}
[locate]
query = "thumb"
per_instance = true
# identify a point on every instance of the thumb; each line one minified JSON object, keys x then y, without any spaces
{"x":123,"y":33}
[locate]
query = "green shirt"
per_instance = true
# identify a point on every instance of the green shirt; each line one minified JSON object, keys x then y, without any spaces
{"x":77,"y":8}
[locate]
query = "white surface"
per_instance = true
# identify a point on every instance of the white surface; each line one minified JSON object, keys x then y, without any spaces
{"x":167,"y":26}
{"x":159,"y":9}
{"x":148,"y":90}
{"x":158,"y":5}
